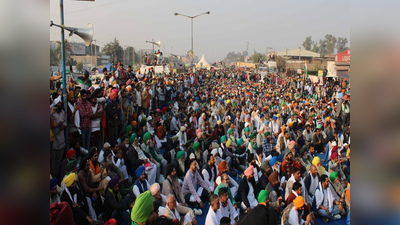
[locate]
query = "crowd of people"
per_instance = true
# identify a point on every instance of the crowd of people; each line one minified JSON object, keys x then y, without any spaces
{"x":156,"y":148}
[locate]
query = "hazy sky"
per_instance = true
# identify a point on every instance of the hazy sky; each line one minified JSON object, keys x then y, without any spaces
{"x":231,"y":24}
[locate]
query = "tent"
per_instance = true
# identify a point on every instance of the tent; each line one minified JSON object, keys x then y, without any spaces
{"x":203,"y":63}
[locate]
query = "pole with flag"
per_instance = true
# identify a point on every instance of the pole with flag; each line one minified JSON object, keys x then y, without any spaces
{"x":305,"y":67}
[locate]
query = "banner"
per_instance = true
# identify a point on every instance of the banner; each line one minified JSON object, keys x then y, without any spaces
{"x":320,"y":73}
{"x":299,"y":71}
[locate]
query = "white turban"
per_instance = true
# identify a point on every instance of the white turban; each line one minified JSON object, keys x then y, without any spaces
{"x":154,"y":188}
{"x":57,"y":100}
{"x":149,"y":118}
{"x":334,"y":143}
{"x":183,"y":128}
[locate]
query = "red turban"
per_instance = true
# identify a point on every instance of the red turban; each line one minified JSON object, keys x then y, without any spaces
{"x":221,"y":166}
{"x":334,"y":155}
{"x":113,"y":95}
{"x":164,"y":109}
{"x":70,"y":153}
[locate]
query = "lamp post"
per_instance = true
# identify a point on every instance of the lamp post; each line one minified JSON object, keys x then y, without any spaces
{"x":191,"y":18}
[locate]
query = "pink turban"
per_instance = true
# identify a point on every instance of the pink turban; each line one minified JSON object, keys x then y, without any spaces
{"x":114,"y":90}
{"x":249,"y":171}
{"x":198,"y":131}
{"x":291,"y":144}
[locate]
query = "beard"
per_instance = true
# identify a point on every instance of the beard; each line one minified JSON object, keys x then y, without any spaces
{"x":251,"y":179}
{"x":59,"y":108}
{"x":109,"y":161}
{"x":225,"y":184}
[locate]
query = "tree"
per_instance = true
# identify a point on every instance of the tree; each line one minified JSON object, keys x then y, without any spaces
{"x":330,"y":41}
{"x":341,"y":44}
{"x":71,"y":62}
{"x":79,"y":66}
{"x":280,"y":62}
{"x":315,"y":47}
{"x":57,"y":52}
{"x":256,"y":56}
{"x":307,"y":43}
{"x":114,"y":50}
{"x":54,"y":59}
{"x":322,"y":47}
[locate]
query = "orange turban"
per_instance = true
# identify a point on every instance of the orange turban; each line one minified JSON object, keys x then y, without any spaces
{"x":70,"y":95}
{"x":133,"y":123}
{"x":298,"y":202}
{"x":221,"y":166}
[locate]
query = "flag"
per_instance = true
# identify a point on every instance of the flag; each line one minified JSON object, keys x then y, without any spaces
{"x":305,"y":68}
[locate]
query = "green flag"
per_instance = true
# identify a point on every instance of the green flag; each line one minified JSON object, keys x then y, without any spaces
{"x":305,"y":68}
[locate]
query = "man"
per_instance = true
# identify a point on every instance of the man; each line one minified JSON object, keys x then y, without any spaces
{"x":175,"y":124}
{"x":190,"y":182}
{"x":141,"y":184}
{"x":83,"y":82}
{"x":97,"y":171}
{"x":305,"y":159}
{"x":148,"y":146}
{"x":214,"y":215}
{"x":71,"y":155}
{"x":282,"y":142}
{"x":223,"y":168}
{"x":209,"y":172}
{"x":267,"y":144}
{"x":146,"y":96}
{"x":311,"y":182}
{"x":54,"y":189}
{"x":324,"y":203}
{"x":180,"y":165}
{"x":318,"y":140}
{"x":337,"y":190}
{"x":142,"y":211}
{"x":112,"y":110}
{"x":335,"y":165}
{"x":112,"y":170}
{"x":116,"y":206}
{"x":293,"y":213}
{"x":289,"y":164}
{"x":76,"y":200}
{"x":274,"y":194}
{"x":171,"y":185}
{"x":308,"y":135}
{"x":174,"y":211}
{"x":297,"y":190}
{"x":263,"y":213}
{"x":226,"y":207}
{"x":138,"y":157}
{"x":119,"y":161}
{"x":182,"y":138}
{"x":95,"y":122}
{"x":73,"y":116}
{"x":85,"y":114}
{"x":58,"y":116}
{"x":248,"y":190}
{"x":296,"y":177}
{"x":225,"y":184}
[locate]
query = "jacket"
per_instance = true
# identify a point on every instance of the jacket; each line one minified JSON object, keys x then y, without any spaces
{"x":244,"y":190}
{"x":111,"y":203}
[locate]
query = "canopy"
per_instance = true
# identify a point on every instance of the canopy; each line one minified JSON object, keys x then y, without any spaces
{"x":203,"y":63}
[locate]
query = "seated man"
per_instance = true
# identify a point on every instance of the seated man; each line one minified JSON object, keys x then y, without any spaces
{"x":141,"y":185}
{"x":97,"y":171}
{"x":171,"y":185}
{"x":174,"y":211}
{"x":337,"y":190}
{"x":288,"y":164}
{"x":213,"y":216}
{"x":311,"y":182}
{"x":209,"y":172}
{"x":180,"y":165}
{"x":71,"y":155}
{"x":335,"y":165}
{"x":148,"y":146}
{"x":76,"y":201}
{"x":324,"y":203}
{"x":274,"y":194}
{"x":225,"y":184}
{"x":294,"y":211}
{"x":248,"y":190}
{"x":115,"y":206}
{"x":296,"y":177}
{"x":263,"y":213}
{"x":190,"y":182}
{"x":297,"y":190}
{"x":112,"y":170}
{"x":226,"y":208}
{"x":223,"y":168}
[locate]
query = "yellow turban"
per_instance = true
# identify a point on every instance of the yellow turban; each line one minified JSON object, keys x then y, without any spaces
{"x":315,"y":162}
{"x":298,"y":202}
{"x":328,"y":118}
{"x":114,"y":82}
{"x":69,"y":179}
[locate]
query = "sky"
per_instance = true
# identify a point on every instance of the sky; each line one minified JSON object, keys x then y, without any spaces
{"x":229,"y":26}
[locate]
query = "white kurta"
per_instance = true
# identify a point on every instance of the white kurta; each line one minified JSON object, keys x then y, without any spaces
{"x":213,"y":218}
{"x":228,"y":211}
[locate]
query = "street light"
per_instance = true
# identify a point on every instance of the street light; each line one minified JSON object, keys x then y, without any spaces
{"x":191,"y":18}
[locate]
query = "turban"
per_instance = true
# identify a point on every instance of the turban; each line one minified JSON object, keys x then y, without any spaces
{"x":69,"y":179}
{"x":249,"y":171}
{"x":273,"y":177}
{"x":180,"y":154}
{"x":70,"y":165}
{"x":219,"y":122}
{"x":334,"y":143}
{"x":57,"y":100}
{"x":149,"y":118}
{"x":195,"y":146}
{"x":298,"y":202}
{"x":113,"y":95}
{"x":113,"y":182}
{"x":230,"y":131}
{"x":262,"y":196}
{"x":273,"y":161}
{"x":266,"y":134}
{"x":164,"y":109}
{"x":139,"y":171}
{"x":183,"y":128}
{"x":253,"y":135}
{"x":333,"y":176}
{"x":319,"y":126}
{"x":188,"y":143}
{"x":70,"y":95}
{"x":302,"y":151}
{"x":71,"y":153}
{"x":264,"y":166}
{"x":334,"y":155}
{"x":142,"y":208}
{"x":146,"y":136}
{"x":154,"y":188}
{"x":274,"y":117}
{"x":292,"y":144}
{"x":132,"y":139}
{"x":240,"y":142}
{"x":223,"y":138}
{"x":290,"y":124}
{"x":128,"y":128}
{"x":247,"y":129}
{"x":53,"y":182}
{"x":316,"y":160}
{"x":328,"y":118}
{"x":170,"y":167}
{"x":222,"y":165}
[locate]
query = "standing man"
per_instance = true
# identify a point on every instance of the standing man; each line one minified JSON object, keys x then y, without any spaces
{"x":86,"y":114}
{"x":112,"y":110}
{"x":58,"y":116}
{"x":146,"y":100}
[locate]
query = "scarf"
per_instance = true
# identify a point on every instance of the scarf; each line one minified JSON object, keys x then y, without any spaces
{"x":95,"y":169}
{"x":74,"y":200}
{"x":118,"y":195}
{"x":254,"y":148}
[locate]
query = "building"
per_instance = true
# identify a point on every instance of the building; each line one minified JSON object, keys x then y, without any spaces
{"x":342,"y":62}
